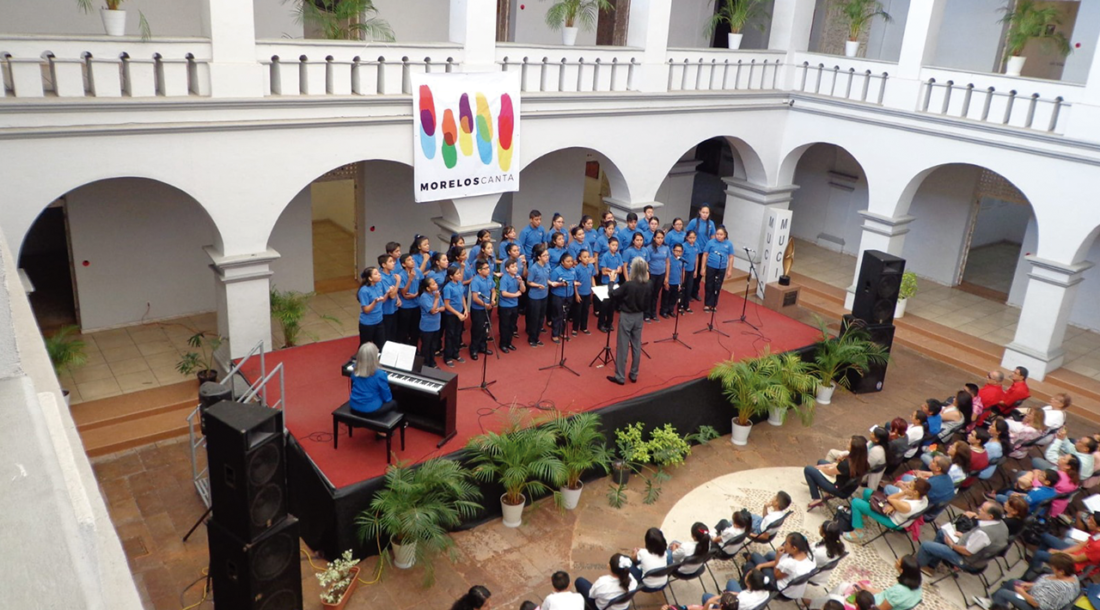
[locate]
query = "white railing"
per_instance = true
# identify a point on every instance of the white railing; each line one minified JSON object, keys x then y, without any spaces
{"x":570,"y":69}
{"x":103,"y":67}
{"x":327,"y":67}
{"x":996,"y":99}
{"x":855,"y":79}
{"x":722,"y":69}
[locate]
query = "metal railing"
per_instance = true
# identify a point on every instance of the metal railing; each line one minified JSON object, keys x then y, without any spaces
{"x":851,"y":84}
{"x":710,"y":74}
{"x":356,"y":76}
{"x":988,"y":105}
{"x":572,"y":76}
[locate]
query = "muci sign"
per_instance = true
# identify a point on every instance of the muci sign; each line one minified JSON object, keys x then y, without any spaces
{"x":466,"y":134}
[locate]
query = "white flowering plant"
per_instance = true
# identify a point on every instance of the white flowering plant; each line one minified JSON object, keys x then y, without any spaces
{"x":337,"y":577}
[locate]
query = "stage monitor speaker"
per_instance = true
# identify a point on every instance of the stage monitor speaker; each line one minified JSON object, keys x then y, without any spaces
{"x":247,"y":462}
{"x":263,"y":574}
{"x":872,"y":380}
{"x":878,"y":286}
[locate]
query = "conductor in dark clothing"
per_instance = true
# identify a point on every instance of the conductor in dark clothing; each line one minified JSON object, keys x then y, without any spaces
{"x":633,"y":298}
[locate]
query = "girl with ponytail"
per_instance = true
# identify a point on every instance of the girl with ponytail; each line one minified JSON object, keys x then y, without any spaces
{"x":609,"y":586}
{"x":477,"y":598}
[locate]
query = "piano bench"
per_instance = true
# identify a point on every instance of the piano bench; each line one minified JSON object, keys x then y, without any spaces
{"x":385,"y":423}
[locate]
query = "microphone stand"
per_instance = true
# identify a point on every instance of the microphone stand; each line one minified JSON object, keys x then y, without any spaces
{"x":675,"y":338}
{"x":484,"y":385}
{"x":564,"y":339}
{"x":711,"y":328}
{"x":745,"y":302}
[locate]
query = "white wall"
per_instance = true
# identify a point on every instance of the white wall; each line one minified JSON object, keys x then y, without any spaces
{"x":166,"y":18}
{"x":292,"y":238}
{"x":970,"y":35}
{"x":1085,"y":313}
{"x":144,"y":244}
{"x":933,"y":247}
{"x":531,"y":28}
{"x":275,"y":19}
{"x":553,"y":183}
{"x":417,"y":21}
{"x":1085,"y":32}
{"x":334,"y":200}
{"x":824,"y":214}
{"x":687,"y":23}
{"x":389,"y":212}
{"x":884,"y":38}
{"x":1000,"y":221}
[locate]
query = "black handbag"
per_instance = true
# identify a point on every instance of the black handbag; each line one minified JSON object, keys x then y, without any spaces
{"x":964,"y":524}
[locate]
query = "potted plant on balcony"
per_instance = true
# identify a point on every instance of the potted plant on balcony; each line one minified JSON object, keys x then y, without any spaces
{"x":1028,"y":21}
{"x":522,"y":459}
{"x":859,"y":14}
{"x":907,"y":290}
{"x":581,"y":447}
{"x":65,"y":352}
{"x":566,"y":14}
{"x":114,"y":18}
{"x":342,"y":19}
{"x":416,"y":508}
{"x":736,"y":14}
{"x":852,"y":351}
{"x":202,"y":361}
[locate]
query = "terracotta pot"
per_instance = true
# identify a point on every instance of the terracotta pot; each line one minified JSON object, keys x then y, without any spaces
{"x":347,"y":593}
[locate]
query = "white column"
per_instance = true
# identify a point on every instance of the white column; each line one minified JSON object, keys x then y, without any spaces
{"x":620,"y":208}
{"x":648,"y":30}
{"x":1051,"y":292}
{"x":473,"y":25}
{"x":244,"y":298}
{"x":231,"y":27}
{"x":791,"y":23}
{"x":918,"y":46}
{"x":1084,"y":122}
{"x":676,"y":190}
{"x":746,"y":203}
{"x":466,"y":216}
{"x":883,"y":233}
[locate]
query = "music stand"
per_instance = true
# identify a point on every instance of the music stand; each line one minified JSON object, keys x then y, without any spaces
{"x":563,"y":339}
{"x":484,"y":385}
{"x":605,"y":356}
{"x":745,"y":302}
{"x":675,"y":338}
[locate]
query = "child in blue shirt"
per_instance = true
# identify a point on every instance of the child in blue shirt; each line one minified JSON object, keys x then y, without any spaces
{"x":386,"y":264}
{"x":716,"y":260}
{"x":532,"y":235}
{"x":586,"y":279}
{"x":563,"y":293}
{"x":430,"y":309}
{"x":691,"y":271}
{"x":538,"y":282}
{"x":637,"y":249}
{"x":578,"y":243}
{"x":557,"y":248}
{"x":672,"y":281}
{"x":659,"y":254}
{"x":611,"y":267}
{"x":372,"y":293}
{"x":481,"y":297}
{"x":408,"y":316}
{"x":675,"y":235}
{"x":511,"y":287}
{"x":454,"y":305}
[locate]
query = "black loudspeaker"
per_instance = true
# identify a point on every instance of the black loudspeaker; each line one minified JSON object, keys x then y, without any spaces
{"x":264,"y":574}
{"x":872,"y":381}
{"x":878,"y":286}
{"x":210,"y":394}
{"x":244,"y":448}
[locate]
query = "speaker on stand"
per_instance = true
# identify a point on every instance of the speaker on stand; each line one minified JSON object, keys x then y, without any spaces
{"x":872,"y":380}
{"x":253,"y":541}
{"x":877,"y":287}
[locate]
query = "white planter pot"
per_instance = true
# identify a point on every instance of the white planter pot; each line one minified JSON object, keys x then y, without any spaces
{"x":899,"y":310}
{"x":825,"y":394}
{"x":570,"y":497}
{"x":569,"y":36}
{"x":1014,"y":65}
{"x":851,"y":48}
{"x":735,"y":40}
{"x":68,"y":398}
{"x":513,"y":515}
{"x":404,"y":555}
{"x":740,"y":435}
{"x":776,"y":417}
{"x":114,"y":22}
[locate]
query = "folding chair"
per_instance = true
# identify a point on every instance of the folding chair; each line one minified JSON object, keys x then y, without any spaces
{"x":728,"y":552}
{"x":796,"y":582}
{"x":974,"y":569}
{"x":902,"y":529}
{"x":690,"y":569}
{"x":626,"y":598}
{"x":665,"y":573}
{"x":819,"y":571}
{"x":843,"y":493}
{"x":768,"y":535}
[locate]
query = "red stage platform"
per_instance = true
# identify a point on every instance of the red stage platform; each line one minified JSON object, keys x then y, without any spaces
{"x":315,"y":387}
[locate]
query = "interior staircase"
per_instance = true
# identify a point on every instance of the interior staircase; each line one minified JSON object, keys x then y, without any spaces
{"x":123,"y":422}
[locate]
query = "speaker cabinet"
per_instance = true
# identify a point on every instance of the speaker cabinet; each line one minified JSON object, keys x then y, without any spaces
{"x":872,"y":380}
{"x":264,"y":574}
{"x":245,"y":452}
{"x":878,"y":286}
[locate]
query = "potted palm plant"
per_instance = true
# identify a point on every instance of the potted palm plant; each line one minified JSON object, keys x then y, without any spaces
{"x":522,"y":459}
{"x":566,"y":14}
{"x":202,"y":361}
{"x":581,"y":447}
{"x":859,"y":14}
{"x":114,"y":18}
{"x":342,"y":19}
{"x":1027,"y":21}
{"x":736,"y":14}
{"x":908,"y":290}
{"x":65,"y":352}
{"x":756,"y":386}
{"x":289,"y":308}
{"x":801,"y":385}
{"x":850,"y":351}
{"x":416,"y":508}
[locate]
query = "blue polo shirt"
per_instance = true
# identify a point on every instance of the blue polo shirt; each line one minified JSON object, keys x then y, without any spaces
{"x":419,"y":258}
{"x":718,"y":254}
{"x":439,"y":276}
{"x":561,"y":274}
{"x":658,"y":259}
{"x":942,"y":489}
{"x":483,"y":287}
{"x":389,"y":280}
{"x":673,"y":237}
{"x":454,"y":293}
{"x":675,"y":268}
{"x":575,"y":248}
{"x":367,"y":295}
{"x":555,"y":255}
{"x":610,"y":261}
{"x":429,"y":321}
{"x":584,"y":276}
{"x":602,"y":246}
{"x":646,"y":233}
{"x":409,"y":302}
{"x":691,"y":255}
{"x":626,"y":235}
{"x":590,"y":241}
{"x":704,"y":231}
{"x":502,"y":251}
{"x":538,"y":274}
{"x":509,"y":283}
{"x":631,"y":253}
{"x":530,"y":237}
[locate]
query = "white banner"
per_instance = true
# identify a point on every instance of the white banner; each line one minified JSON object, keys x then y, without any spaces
{"x":777,"y":230}
{"x":466,"y":134}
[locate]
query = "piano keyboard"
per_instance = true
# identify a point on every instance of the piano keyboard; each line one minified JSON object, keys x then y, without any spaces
{"x":416,"y":383}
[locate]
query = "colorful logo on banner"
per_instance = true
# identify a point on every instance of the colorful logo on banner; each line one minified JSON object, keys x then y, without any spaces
{"x":454,"y":137}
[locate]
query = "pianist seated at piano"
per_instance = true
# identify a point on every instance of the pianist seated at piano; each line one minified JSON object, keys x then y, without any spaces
{"x":370,"y":386}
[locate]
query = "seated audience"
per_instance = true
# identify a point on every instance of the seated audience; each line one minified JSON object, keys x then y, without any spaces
{"x":991,"y":394}
{"x":756,"y":592}
{"x":957,"y":414}
{"x":774,"y":510}
{"x":1022,"y":432}
{"x":1048,"y":592}
{"x":618,"y":581}
{"x":474,"y":599}
{"x":729,"y":530}
{"x":979,"y":457}
{"x":693,"y":551}
{"x":1016,"y":393}
{"x":911,"y":499}
{"x":1055,"y":412}
{"x":942,"y":487}
{"x":934,"y":421}
{"x":877,"y":452}
{"x":959,"y":453}
{"x":562,"y":598}
{"x":727,"y":601}
{"x":997,"y":446}
{"x":988,"y":537}
{"x":827,"y":550}
{"x":899,"y":442}
{"x":1082,"y":449}
{"x":904,"y":595}
{"x":976,"y":406}
{"x":1083,"y":553}
{"x":848,"y":470}
{"x":1016,"y":512}
{"x":917,"y":432}
{"x":1034,"y":494}
{"x":793,"y":559}
{"x":653,"y":556}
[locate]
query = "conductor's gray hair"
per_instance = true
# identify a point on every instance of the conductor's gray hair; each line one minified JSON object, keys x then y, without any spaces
{"x":639,"y":270}
{"x":366,"y":361}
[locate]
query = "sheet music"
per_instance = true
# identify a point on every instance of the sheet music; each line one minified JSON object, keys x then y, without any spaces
{"x":601,"y":292}
{"x":948,"y":530}
{"x":1077,"y":534}
{"x":398,"y":356}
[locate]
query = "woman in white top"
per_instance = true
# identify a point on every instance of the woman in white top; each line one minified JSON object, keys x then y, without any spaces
{"x":794,"y":559}
{"x":653,"y":557}
{"x":609,"y":586}
{"x":756,"y":593}
{"x":915,"y":432}
{"x":910,"y":500}
{"x":692,"y":553}
{"x":828,"y":550}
